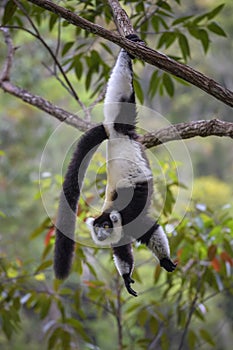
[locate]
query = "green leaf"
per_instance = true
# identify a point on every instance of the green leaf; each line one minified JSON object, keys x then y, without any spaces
{"x":215,"y":28}
{"x":107,"y":48}
{"x":181,"y":20}
{"x":88,"y":79}
{"x":167,"y":39}
{"x":207,"y":337}
{"x":200,"y":34}
{"x":138,"y":91}
{"x":200,"y":18}
{"x":192,"y":339}
{"x":155,"y":23}
{"x":67,"y":47}
{"x":184,"y":46}
{"x":45,"y":225}
{"x":203,"y":36}
{"x":52,"y":21}
{"x":168,"y":83}
{"x":215,"y":11}
{"x":44,"y":266}
{"x":154,"y":83}
{"x":10,"y":9}
{"x":45,"y":306}
{"x":78,"y":68}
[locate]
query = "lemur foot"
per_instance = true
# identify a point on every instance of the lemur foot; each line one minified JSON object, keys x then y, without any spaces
{"x":128,"y":280}
{"x":167,"y":264}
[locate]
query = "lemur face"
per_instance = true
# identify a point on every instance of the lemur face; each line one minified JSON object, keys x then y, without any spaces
{"x":103,"y":228}
{"x":106,"y":228}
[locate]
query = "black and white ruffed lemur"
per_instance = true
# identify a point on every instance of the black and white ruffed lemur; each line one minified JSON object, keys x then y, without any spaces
{"x":129,"y":188}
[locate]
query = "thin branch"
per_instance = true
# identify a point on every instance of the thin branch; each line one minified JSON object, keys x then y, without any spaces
{"x":121,"y":18}
{"x":144,"y":53}
{"x":119,"y":314}
{"x":5,"y":75}
{"x":191,"y":311}
{"x":58,"y":45}
{"x":99,"y":98}
{"x":46,"y":106}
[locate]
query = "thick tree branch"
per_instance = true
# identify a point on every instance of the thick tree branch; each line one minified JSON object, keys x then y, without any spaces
{"x":202,"y":128}
{"x":148,"y":55}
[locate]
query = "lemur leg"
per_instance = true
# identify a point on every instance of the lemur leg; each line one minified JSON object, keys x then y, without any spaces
{"x":156,"y":240}
{"x":123,"y":259}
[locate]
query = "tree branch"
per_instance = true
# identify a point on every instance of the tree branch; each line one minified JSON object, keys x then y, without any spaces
{"x":5,"y":75}
{"x":46,"y":106}
{"x":202,"y":128}
{"x":121,"y":18}
{"x":144,"y":53}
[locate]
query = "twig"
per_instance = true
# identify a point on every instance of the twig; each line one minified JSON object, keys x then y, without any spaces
{"x":58,"y":43}
{"x":119,"y":313}
{"x":99,"y":98}
{"x":191,"y":311}
{"x":5,"y":75}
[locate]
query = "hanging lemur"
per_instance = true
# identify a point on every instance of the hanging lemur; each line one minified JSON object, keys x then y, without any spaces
{"x":129,"y":188}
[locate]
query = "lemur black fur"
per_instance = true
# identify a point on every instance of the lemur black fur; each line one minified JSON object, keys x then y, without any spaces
{"x":129,"y":188}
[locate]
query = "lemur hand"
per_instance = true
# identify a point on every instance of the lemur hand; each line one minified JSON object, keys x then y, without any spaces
{"x":167,"y":264}
{"x":136,"y":39}
{"x":128,"y":280}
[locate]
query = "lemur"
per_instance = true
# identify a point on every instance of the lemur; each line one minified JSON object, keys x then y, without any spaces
{"x":129,"y":187}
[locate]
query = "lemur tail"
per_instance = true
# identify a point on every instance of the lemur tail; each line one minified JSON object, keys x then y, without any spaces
{"x":66,"y":217}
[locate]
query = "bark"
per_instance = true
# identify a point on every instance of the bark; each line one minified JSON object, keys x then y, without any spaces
{"x":202,"y":128}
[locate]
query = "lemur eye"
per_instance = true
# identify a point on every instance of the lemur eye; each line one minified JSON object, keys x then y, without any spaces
{"x":114,"y":218}
{"x":106,"y":225}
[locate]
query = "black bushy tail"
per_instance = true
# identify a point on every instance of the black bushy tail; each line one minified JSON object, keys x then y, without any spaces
{"x":66,"y":218}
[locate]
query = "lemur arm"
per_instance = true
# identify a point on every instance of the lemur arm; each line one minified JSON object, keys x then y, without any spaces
{"x":123,"y":259}
{"x":66,"y":217}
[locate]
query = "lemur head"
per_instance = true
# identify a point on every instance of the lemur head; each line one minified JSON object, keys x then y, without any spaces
{"x":106,"y":228}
